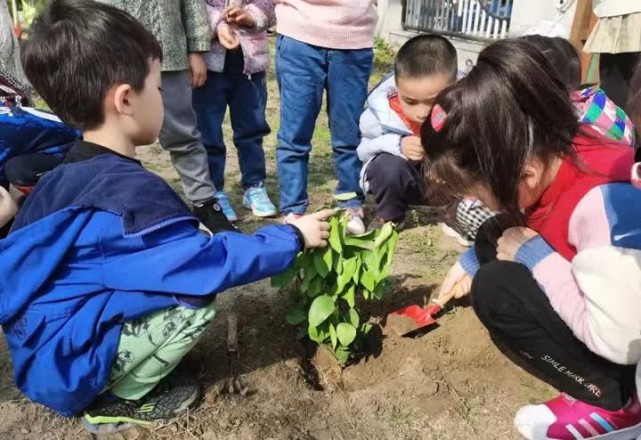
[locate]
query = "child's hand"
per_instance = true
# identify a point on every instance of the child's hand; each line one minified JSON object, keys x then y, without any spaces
{"x":236,"y":15}
{"x":456,"y":275}
{"x":412,"y":149}
{"x":227,"y":37}
{"x":511,"y":241}
{"x":198,"y":70}
{"x":8,"y":207}
{"x":315,"y":228}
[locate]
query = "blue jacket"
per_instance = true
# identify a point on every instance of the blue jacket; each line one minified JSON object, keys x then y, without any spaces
{"x":25,"y":130}
{"x":96,"y":244}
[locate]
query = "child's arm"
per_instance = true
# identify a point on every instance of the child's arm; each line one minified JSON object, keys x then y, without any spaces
{"x":215,"y":14}
{"x":8,"y":207}
{"x":598,"y":294}
{"x":194,"y":18}
{"x":180,"y":260}
{"x":221,"y":30}
{"x":263,"y":13}
{"x":374,"y":140}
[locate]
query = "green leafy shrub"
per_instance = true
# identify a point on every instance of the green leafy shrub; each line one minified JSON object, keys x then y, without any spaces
{"x":325,"y":283}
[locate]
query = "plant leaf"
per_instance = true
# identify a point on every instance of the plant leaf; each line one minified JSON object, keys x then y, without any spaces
{"x":312,"y":331}
{"x":332,"y":335}
{"x":383,"y":275}
{"x":335,"y":235}
{"x":315,"y":287}
{"x":309,"y":269}
{"x":342,"y":354}
{"x":304,"y":286}
{"x":357,"y":272}
{"x":328,"y":258}
{"x":370,"y":259}
{"x":391,"y":251}
{"x":349,"y":267}
{"x":321,"y":309}
{"x":360,"y":241}
{"x":284,"y":278}
{"x":295,"y":316}
{"x":368,"y":280}
{"x":343,"y":279}
{"x":319,"y":262}
{"x":366,"y":293}
{"x":349,"y":296}
{"x":346,"y":333}
{"x":385,"y":233}
{"x":380,"y":290}
{"x":337,"y":263}
{"x":354,"y":318}
{"x":366,"y":328}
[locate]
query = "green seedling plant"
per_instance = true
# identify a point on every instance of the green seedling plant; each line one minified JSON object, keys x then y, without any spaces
{"x":324,"y":285}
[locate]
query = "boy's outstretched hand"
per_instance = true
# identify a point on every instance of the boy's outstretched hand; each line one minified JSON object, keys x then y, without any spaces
{"x":315,"y":228}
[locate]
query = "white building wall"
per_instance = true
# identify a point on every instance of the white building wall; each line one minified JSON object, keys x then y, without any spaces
{"x":526,"y":14}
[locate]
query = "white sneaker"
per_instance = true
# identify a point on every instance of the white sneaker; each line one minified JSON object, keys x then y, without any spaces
{"x":355,"y":225}
{"x":452,"y":233}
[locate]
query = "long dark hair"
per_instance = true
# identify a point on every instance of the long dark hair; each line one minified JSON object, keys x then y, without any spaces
{"x":562,"y":55}
{"x":513,"y":105}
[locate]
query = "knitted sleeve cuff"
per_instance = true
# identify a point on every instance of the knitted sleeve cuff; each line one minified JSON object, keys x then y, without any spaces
{"x":262,"y":19}
{"x":195,"y":45}
{"x":470,"y":262}
{"x":301,"y":237}
{"x":533,"y":251}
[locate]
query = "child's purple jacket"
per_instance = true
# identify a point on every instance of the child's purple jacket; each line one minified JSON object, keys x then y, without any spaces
{"x":252,"y":41}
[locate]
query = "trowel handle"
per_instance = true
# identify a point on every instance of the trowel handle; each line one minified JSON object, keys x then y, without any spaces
{"x":232,"y":333}
{"x":443,"y":300}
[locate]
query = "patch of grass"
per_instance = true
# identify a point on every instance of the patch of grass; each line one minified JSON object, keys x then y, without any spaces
{"x":383,"y":61}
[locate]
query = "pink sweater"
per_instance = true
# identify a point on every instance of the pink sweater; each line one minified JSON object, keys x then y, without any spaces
{"x":333,"y":24}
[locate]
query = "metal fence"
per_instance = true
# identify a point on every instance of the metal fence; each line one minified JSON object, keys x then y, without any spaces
{"x":476,"y":19}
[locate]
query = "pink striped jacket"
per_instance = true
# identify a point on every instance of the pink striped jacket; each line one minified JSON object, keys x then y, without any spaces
{"x":252,"y":41}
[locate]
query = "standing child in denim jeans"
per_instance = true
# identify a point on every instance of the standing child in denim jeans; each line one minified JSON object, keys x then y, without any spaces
{"x":236,"y":78}
{"x":182,"y":28}
{"x":322,"y":46}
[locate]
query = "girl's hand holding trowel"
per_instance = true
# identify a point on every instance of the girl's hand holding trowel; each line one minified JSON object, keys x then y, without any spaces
{"x":457,"y":284}
{"x":409,"y":319}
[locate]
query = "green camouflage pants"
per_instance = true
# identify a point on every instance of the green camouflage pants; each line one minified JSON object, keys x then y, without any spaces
{"x":152,"y":346}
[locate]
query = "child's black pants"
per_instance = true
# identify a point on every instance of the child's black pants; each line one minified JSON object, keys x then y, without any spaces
{"x":519,"y":316}
{"x":395,"y":183}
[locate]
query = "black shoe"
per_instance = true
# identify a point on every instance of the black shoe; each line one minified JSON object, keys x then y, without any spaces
{"x":172,"y":397}
{"x":211,"y":215}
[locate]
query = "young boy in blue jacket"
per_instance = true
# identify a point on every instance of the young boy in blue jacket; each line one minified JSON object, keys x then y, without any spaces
{"x":105,"y":280}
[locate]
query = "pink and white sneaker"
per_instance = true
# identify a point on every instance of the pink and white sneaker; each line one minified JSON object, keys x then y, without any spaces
{"x":565,"y":418}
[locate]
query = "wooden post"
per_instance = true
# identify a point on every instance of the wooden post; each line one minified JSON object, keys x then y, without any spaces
{"x":16,"y":21}
{"x":584,"y":21}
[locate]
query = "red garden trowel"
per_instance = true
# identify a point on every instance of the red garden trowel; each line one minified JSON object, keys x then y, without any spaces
{"x":405,"y":321}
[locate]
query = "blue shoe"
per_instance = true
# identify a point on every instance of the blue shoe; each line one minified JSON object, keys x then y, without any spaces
{"x":257,"y":200}
{"x":225,"y":204}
